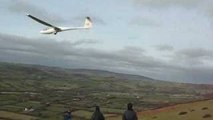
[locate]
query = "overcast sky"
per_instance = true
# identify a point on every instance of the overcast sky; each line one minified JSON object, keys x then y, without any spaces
{"x":162,"y":39}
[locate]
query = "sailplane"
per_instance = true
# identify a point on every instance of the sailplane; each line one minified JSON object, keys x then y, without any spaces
{"x":52,"y":29}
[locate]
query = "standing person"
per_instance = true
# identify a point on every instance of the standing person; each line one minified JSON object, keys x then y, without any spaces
{"x":67,"y":115}
{"x":130,"y":114}
{"x":97,"y":115}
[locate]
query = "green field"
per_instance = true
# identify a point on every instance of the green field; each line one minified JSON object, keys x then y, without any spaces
{"x":50,"y":91}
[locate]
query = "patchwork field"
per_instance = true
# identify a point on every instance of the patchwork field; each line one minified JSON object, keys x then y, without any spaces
{"x":30,"y":92}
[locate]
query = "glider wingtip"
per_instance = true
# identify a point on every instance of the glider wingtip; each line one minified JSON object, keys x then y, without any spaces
{"x":27,"y":14}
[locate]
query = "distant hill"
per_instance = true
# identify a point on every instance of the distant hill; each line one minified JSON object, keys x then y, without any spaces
{"x":109,"y":89}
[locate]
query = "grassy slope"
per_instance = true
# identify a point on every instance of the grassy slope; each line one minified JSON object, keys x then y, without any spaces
{"x":15,"y":116}
{"x":195,"y":111}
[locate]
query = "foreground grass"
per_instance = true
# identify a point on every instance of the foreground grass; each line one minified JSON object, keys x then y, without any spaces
{"x":202,"y":110}
{"x":4,"y":115}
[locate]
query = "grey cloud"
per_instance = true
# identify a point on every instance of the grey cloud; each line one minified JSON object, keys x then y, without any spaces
{"x":130,"y":59}
{"x":25,"y":7}
{"x":193,"y":56}
{"x":132,"y":50}
{"x":195,"y":53}
{"x":142,"y":21}
{"x":202,"y":5}
{"x":164,"y":48}
{"x":191,"y":60}
{"x":85,"y":41}
{"x":197,"y":75}
{"x":207,"y":6}
{"x":42,"y":46}
{"x":164,"y":3}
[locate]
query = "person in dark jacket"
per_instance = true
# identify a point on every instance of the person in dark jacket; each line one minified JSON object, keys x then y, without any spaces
{"x":130,"y":114}
{"x":97,"y":115}
{"x":67,"y":115}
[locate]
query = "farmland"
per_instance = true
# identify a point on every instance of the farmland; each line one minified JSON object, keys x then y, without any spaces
{"x":47,"y":92}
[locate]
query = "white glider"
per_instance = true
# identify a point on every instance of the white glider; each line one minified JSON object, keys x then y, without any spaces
{"x":54,"y":30}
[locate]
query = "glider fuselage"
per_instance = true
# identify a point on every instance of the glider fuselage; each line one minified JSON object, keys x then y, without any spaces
{"x":48,"y":31}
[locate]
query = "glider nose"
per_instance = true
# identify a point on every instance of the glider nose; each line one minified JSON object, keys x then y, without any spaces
{"x":42,"y":32}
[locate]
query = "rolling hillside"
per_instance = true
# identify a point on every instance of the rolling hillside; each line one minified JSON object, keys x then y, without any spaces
{"x":80,"y":89}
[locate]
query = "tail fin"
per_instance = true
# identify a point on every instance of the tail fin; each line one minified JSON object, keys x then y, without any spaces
{"x":88,"y":23}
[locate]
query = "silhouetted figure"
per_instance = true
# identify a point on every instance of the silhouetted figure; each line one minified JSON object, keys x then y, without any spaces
{"x":67,"y":115}
{"x":130,"y":114}
{"x":97,"y":115}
